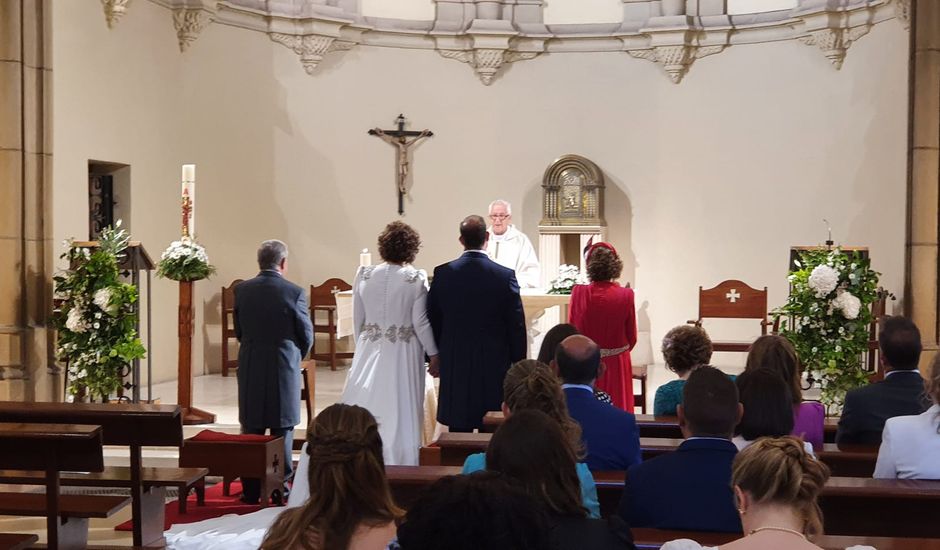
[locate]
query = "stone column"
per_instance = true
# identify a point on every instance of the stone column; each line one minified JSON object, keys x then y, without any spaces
{"x":923,"y":235}
{"x":25,"y":184}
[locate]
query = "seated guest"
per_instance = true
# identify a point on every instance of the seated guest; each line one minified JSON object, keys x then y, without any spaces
{"x":531,"y":449}
{"x":350,"y":504}
{"x":532,"y":385}
{"x":609,"y":434}
{"x":549,"y":346}
{"x":778,"y":354}
{"x":690,"y":489}
{"x":910,"y":445}
{"x":684,"y":348}
{"x":776,"y":486}
{"x":483,"y":510}
{"x":768,"y":409}
{"x":901,"y":392}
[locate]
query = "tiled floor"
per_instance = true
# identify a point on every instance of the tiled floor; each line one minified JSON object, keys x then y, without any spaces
{"x":219,"y":395}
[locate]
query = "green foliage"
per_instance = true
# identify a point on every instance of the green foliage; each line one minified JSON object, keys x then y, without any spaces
{"x":831,"y":340}
{"x":185,"y":260}
{"x":96,"y":319}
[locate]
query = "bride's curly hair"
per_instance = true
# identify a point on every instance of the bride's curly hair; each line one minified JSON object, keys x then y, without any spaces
{"x":347,"y":482}
{"x":530,"y":384}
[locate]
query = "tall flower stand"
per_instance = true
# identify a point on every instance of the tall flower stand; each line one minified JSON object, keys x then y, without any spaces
{"x":184,"y":395}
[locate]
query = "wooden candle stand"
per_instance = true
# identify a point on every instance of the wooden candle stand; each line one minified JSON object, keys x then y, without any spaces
{"x":191,"y":415}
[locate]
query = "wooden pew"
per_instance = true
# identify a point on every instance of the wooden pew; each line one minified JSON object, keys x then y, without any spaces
{"x":652,"y":539}
{"x":845,"y":460}
{"x":125,"y":424}
{"x":851,"y":506}
{"x":656,"y":426}
{"x":56,"y":447}
{"x":16,"y":541}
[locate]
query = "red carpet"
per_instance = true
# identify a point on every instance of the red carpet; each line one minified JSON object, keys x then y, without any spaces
{"x":216,"y":505}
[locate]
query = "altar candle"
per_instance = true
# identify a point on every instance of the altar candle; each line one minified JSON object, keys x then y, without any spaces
{"x":189,"y":191}
{"x":365,"y":258}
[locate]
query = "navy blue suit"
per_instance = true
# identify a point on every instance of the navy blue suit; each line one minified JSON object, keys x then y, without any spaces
{"x":610,"y":434}
{"x":688,"y":489}
{"x":272,"y":324}
{"x":479,"y":326}
{"x":867,"y":409}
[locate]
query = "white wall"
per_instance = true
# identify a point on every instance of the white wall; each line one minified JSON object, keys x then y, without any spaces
{"x":400,"y":9}
{"x":707,"y":180}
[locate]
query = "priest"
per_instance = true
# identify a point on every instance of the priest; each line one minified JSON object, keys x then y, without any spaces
{"x":510,"y":247}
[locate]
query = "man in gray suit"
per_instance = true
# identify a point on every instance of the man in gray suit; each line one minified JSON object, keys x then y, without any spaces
{"x":272,"y":324}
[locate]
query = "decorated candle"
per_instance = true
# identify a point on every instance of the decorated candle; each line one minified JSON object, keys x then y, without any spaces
{"x":365,"y":258}
{"x":189,"y":200}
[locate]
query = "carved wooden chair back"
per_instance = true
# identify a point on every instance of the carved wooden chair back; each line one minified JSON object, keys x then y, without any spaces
{"x":732,"y":299}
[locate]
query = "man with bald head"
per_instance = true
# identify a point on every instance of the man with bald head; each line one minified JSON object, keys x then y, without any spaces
{"x":609,"y":434}
{"x":479,"y":326}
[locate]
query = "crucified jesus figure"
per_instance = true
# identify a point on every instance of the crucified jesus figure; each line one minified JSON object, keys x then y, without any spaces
{"x":403,"y":140}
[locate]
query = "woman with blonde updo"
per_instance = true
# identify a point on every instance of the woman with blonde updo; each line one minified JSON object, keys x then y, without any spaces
{"x":776,"y":485}
{"x":531,"y":385}
{"x":910,"y":445}
{"x":350,"y":506}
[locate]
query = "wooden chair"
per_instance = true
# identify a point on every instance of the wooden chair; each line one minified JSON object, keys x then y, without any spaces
{"x":323,"y":300}
{"x":228,"y":326}
{"x":732,"y":299}
{"x":878,"y":312}
{"x":308,"y":374}
{"x":640,"y":373}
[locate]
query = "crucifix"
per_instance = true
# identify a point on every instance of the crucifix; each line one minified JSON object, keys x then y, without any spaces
{"x":403,"y":140}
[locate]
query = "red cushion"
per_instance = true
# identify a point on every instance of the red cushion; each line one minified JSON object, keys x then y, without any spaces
{"x":214,"y":436}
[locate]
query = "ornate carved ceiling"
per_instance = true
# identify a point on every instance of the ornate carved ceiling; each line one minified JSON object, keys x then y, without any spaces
{"x":488,"y":34}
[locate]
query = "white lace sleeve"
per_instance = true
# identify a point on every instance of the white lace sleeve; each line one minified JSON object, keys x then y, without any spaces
{"x":419,"y":316}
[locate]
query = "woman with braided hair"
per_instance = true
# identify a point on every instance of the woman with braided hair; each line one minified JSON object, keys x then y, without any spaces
{"x":776,"y":485}
{"x":350,"y":505}
{"x":604,"y":312}
{"x":530,"y":385}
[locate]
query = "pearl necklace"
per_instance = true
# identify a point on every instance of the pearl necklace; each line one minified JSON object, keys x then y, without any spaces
{"x":784,"y":529}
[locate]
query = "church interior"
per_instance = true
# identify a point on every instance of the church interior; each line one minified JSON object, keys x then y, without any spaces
{"x":722,"y":134}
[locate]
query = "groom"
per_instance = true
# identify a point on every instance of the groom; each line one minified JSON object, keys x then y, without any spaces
{"x":476,"y":314}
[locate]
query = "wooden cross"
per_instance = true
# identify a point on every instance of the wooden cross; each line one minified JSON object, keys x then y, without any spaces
{"x":400,"y":139}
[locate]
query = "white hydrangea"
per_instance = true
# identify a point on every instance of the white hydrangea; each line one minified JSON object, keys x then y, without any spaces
{"x":185,"y":249}
{"x":823,"y":280}
{"x":849,"y":305}
{"x":75,"y":322}
{"x":102,"y":298}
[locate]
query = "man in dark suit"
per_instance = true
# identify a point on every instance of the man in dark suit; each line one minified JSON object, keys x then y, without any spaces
{"x":272,"y":324}
{"x":609,"y":434}
{"x":476,"y":314}
{"x":901,"y":393}
{"x":689,"y":489}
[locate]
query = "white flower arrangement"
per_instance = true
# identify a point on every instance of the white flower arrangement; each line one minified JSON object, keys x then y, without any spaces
{"x":568,"y":276}
{"x":185,"y":260}
{"x":849,"y":305}
{"x":824,"y":279}
{"x":827,"y":318}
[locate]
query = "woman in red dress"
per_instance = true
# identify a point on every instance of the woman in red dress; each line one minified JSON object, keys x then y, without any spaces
{"x":604,"y":312}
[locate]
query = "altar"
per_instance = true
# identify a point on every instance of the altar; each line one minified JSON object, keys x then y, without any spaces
{"x":534,"y":303}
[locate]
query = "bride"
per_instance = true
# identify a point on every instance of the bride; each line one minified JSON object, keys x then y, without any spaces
{"x":392,"y":334}
{"x":776,"y":484}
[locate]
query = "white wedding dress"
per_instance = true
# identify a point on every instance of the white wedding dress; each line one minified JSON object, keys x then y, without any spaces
{"x":234,"y":532}
{"x":387,"y":376}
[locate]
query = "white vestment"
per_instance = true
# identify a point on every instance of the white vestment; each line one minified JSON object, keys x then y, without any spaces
{"x":513,"y":249}
{"x":387,"y":376}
